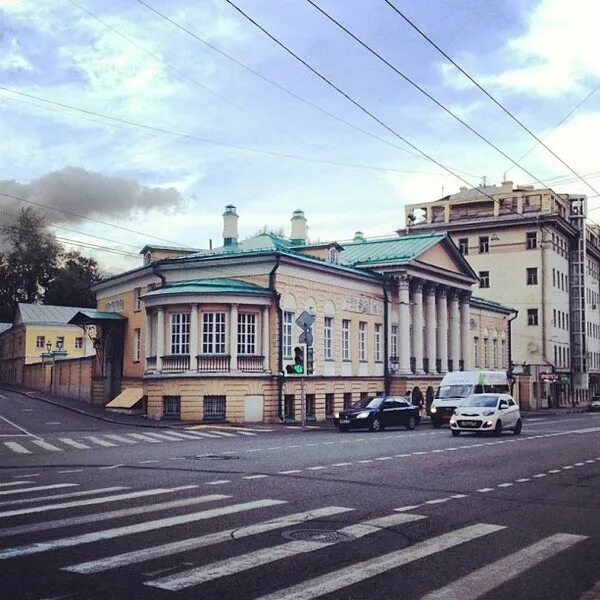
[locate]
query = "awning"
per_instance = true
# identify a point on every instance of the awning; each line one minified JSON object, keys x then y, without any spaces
{"x":96,"y":317}
{"x":128,"y":398}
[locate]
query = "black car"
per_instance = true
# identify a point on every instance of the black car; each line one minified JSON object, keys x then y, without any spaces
{"x":378,"y":412}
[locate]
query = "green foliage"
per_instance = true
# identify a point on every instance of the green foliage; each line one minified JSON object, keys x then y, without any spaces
{"x":71,"y":284}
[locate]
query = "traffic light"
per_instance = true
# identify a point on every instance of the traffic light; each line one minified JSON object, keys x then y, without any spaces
{"x":297,"y":366}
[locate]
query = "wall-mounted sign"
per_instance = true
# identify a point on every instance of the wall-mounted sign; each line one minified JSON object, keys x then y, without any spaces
{"x":363,"y":305}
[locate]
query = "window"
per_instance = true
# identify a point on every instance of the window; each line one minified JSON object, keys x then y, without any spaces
{"x":531,"y":240}
{"x":214,"y":408}
{"x":214,"y":331}
{"x":532,"y":278}
{"x":137,"y":336}
{"x":333,"y":256}
{"x":484,"y":244}
{"x":394,"y":340}
{"x":463,"y":246}
{"x":171,"y":407}
{"x":328,"y":337}
{"x":329,"y":404}
{"x":476,"y":351}
{"x":180,"y":333}
{"x":78,"y":343}
{"x":484,"y":279}
{"x":347,"y":399}
{"x":288,"y":327}
{"x":60,"y":342}
{"x":246,"y":333}
{"x":310,"y":406}
{"x":137,"y":303}
{"x":345,"y":339}
{"x":378,"y":329}
{"x":532,"y":316}
{"x":40,"y":341}
{"x":503,"y":358}
{"x":362,"y":341}
{"x":289,"y":402}
{"x":495,"y":353}
{"x":486,"y":352}
{"x":553,"y":277}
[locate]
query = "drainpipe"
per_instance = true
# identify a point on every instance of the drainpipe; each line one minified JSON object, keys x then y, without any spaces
{"x":510,"y":364}
{"x":280,"y":378}
{"x":386,"y":358}
{"x":161,"y":277}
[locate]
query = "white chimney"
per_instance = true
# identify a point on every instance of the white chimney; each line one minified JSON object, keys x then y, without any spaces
{"x":230,"y":228}
{"x":359,"y":237}
{"x":298,"y":228}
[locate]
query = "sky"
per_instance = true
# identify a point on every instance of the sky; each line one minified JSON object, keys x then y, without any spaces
{"x":127,"y":127}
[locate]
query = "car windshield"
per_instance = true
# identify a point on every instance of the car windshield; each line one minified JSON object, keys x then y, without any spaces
{"x":454,"y":391}
{"x":368,"y":402}
{"x":487,"y":401}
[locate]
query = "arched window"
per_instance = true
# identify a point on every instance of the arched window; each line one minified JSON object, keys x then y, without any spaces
{"x":147,"y":258}
{"x":333,"y":256}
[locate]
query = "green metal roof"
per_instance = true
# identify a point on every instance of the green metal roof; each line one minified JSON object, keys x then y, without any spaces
{"x":263,"y":241}
{"x":90,"y":316}
{"x":396,"y":249}
{"x":477,"y":301}
{"x":210,"y":286}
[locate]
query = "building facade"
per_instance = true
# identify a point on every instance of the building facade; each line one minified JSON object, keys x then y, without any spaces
{"x":532,"y":249}
{"x":208,"y":335}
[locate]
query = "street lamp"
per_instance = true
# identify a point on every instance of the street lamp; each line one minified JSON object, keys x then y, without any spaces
{"x":48,"y":347}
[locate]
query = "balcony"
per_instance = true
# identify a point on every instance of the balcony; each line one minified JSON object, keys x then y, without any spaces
{"x":176,"y":363}
{"x":214,"y":363}
{"x":207,"y":363}
{"x":250,"y":363}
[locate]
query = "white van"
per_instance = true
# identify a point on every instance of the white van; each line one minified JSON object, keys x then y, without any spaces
{"x":457,"y":385}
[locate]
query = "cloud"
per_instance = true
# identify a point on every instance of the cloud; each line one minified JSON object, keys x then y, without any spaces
{"x":85,"y":193}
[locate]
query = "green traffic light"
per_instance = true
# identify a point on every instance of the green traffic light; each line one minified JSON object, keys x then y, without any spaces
{"x":299,"y":369}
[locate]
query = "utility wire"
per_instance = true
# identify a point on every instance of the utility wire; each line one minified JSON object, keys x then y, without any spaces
{"x":281,"y":87}
{"x":196,"y":138}
{"x":482,"y":89}
{"x":353,"y":101}
{"x":96,"y":247}
{"x":423,"y":91}
{"x":66,"y":212}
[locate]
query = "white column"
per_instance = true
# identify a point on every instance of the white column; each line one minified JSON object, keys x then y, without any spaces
{"x":160,"y":337}
{"x":417,"y":300}
{"x":404,"y":325}
{"x":233,"y":337}
{"x":431,"y":320}
{"x":454,"y":330}
{"x":148,"y":338}
{"x":465,"y":330}
{"x":194,"y":334}
{"x":265,"y":337}
{"x":442,"y":331}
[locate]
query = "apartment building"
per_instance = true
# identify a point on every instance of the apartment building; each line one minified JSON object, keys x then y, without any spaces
{"x":207,"y":335}
{"x":534,"y":250}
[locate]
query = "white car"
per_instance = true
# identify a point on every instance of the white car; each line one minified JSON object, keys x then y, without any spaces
{"x":487,"y":413}
{"x":595,"y":403}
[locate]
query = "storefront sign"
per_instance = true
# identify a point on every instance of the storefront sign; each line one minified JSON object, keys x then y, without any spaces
{"x":549,"y":377}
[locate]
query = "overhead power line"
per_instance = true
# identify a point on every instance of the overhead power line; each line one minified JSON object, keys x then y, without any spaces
{"x":484,"y":91}
{"x":423,"y":91}
{"x":282,"y":88}
{"x":73,"y":214}
{"x":189,"y":136}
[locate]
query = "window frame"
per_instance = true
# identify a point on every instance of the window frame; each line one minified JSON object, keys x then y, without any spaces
{"x":137,"y":301}
{"x":531,"y":275}
{"x":377,"y":331}
{"x":484,"y":279}
{"x":463,"y":246}
{"x":247,"y":333}
{"x":362,"y":341}
{"x":137,"y":344}
{"x":484,"y":244}
{"x":328,"y":338}
{"x":531,"y":240}
{"x":533,"y":317}
{"x":346,"y":334}
{"x":40,"y":344}
{"x":214,"y":332}
{"x":287,"y":333}
{"x":179,"y":339}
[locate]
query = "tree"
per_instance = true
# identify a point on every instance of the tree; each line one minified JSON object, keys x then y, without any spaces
{"x":71,"y":284}
{"x":29,"y":262}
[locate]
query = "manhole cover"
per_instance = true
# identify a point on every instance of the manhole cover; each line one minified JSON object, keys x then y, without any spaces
{"x":317,"y":535}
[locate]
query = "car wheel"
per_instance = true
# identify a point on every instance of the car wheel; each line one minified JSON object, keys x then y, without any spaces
{"x":455,"y":432}
{"x":498,"y":428}
{"x":518,"y":427}
{"x":436,"y":424}
{"x":411,"y":423}
{"x":376,"y":424}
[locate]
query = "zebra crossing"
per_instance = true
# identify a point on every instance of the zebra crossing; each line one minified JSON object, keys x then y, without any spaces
{"x":31,"y":445}
{"x":70,"y":543}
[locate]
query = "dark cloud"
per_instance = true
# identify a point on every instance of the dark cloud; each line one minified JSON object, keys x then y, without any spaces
{"x":79,"y":192}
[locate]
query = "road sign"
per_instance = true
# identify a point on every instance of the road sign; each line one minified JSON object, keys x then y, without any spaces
{"x":305,"y":320}
{"x":306,"y":337}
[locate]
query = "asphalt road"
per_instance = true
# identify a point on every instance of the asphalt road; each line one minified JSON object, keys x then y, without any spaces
{"x":96,"y":511}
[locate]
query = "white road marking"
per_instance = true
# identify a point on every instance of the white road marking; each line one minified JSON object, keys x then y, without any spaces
{"x":567,"y":467}
{"x":484,"y":580}
{"x":290,"y":472}
{"x":539,"y":475}
{"x":505,"y":485}
{"x":15,"y":447}
{"x":105,"y":516}
{"x":437,"y":501}
{"x":345,"y":464}
{"x":20,"y":428}
{"x":116,"y":532}
{"x":74,"y":444}
{"x":523,"y":479}
{"x":222,"y":433}
{"x":119,"y":438}
{"x":15,"y":483}
{"x":485,"y":490}
{"x":255,"y":477}
{"x":145,"y":438}
{"x":71,"y":471}
{"x":185,"y":436}
{"x":347,"y":576}
{"x":154,"y":552}
{"x":164,"y":436}
{"x":218,"y":482}
{"x":27,"y":475}
{"x":244,"y":562}
{"x":53,"y":423}
{"x":405,"y":508}
{"x":38,"y":488}
{"x":147,"y":462}
{"x":100,"y":441}
{"x":319,"y":468}
{"x":384,"y":458}
{"x":46,"y":446}
{"x":245,"y":432}
{"x":202,"y":434}
{"x":54,"y":497}
{"x":553,"y":471}
{"x":109,"y":467}
{"x":89,"y":502}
